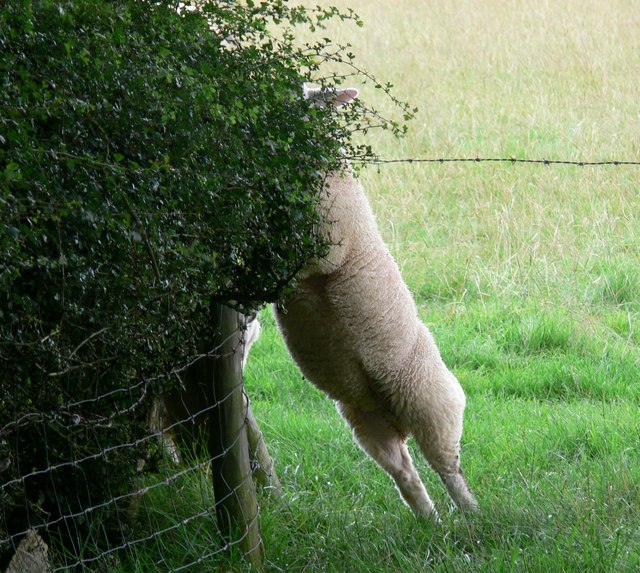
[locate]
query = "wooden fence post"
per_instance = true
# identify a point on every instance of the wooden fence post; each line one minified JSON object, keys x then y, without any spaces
{"x":236,"y":505}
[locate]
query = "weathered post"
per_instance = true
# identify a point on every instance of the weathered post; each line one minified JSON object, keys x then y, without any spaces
{"x":236,"y":505}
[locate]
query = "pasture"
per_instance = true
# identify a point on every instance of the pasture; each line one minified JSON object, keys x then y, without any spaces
{"x":527,"y":275}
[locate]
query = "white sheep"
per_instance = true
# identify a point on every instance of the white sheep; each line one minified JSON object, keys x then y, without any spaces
{"x":353,"y":329}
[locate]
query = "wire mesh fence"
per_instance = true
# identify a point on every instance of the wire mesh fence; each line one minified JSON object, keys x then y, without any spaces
{"x":166,"y":477}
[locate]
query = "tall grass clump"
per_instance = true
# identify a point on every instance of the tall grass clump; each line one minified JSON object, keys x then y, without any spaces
{"x":616,"y":283}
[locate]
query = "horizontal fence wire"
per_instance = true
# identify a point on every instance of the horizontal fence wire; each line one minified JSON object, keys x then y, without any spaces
{"x":511,"y":160}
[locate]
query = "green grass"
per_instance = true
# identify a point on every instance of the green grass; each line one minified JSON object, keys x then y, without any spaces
{"x":554,"y":460}
{"x":529,"y":277}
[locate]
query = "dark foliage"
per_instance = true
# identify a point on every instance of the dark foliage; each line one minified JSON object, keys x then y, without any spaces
{"x":152,"y":159}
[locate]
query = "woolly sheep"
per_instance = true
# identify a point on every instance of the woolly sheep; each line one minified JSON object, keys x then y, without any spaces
{"x":353,"y":329}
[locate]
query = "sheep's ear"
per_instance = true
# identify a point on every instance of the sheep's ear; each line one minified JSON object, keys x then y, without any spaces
{"x":345,"y":96}
{"x":333,"y":97}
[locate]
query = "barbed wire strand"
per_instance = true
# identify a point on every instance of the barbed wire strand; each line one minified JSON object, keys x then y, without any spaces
{"x":512,"y":160}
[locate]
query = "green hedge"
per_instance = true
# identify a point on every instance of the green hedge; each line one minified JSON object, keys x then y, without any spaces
{"x":152,"y":159}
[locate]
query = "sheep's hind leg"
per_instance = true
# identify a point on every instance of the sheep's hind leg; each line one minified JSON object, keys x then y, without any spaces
{"x":442,"y":450}
{"x":459,"y":491}
{"x":387,"y":447}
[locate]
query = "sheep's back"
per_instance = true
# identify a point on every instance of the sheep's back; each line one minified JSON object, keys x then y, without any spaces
{"x":375,"y":309}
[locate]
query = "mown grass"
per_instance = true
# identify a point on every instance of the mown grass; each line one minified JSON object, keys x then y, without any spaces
{"x":529,"y":277}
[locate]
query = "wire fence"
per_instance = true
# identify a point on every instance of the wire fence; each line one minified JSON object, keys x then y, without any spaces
{"x":511,"y":160}
{"x":173,"y":495}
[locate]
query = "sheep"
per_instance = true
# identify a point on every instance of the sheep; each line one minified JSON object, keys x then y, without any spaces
{"x":251,"y":327}
{"x":352,"y":328}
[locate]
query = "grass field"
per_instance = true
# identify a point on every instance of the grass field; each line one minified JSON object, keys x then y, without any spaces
{"x":529,"y":278}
